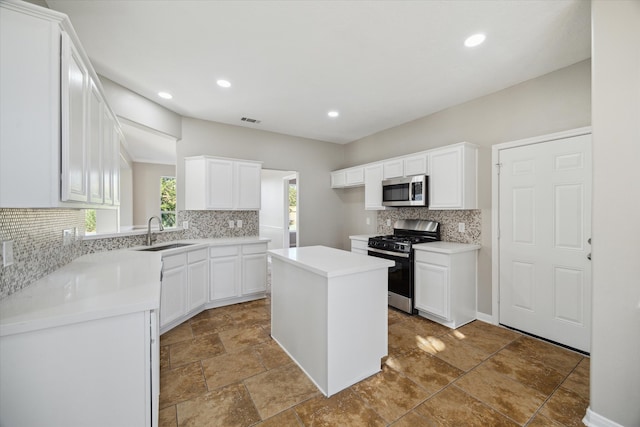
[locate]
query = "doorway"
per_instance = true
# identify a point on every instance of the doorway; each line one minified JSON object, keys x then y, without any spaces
{"x":279,"y":220}
{"x":542,"y":229}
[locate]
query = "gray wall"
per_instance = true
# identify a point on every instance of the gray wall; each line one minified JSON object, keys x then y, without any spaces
{"x":146,"y":190}
{"x":615,"y":348}
{"x":320,"y":209}
{"x":554,"y":102}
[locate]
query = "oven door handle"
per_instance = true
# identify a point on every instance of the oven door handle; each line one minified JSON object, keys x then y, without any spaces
{"x":394,"y":254}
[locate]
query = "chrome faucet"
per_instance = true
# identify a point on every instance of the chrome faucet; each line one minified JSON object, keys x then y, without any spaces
{"x":150,"y":240}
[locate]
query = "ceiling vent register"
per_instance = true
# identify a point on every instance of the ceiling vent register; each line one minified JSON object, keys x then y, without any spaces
{"x":250,"y":120}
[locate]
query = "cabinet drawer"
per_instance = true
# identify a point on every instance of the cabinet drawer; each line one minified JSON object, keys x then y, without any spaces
{"x":433,"y":258}
{"x":218,"y":251}
{"x":254,"y":249}
{"x":359,"y":244}
{"x":195,"y":256}
{"x":173,"y":261}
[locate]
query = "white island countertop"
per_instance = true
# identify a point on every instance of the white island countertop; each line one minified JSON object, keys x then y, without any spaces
{"x":91,"y":287}
{"x":329,"y":262}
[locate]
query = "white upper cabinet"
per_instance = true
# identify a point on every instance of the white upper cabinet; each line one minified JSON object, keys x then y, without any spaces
{"x":51,"y":126}
{"x":95,"y":144}
{"x":393,"y":169}
{"x":351,"y":177}
{"x":452,"y":174}
{"x":452,"y":177}
{"x":74,"y":94}
{"x":416,"y":165}
{"x":338,"y":179}
{"x":247,"y":185}
{"x":221,"y":184}
{"x":373,"y":187}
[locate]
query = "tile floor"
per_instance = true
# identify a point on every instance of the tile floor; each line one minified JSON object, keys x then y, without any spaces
{"x":221,"y":368}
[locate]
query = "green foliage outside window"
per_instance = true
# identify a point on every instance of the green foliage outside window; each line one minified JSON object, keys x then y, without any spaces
{"x":90,"y":220}
{"x":168,"y":201}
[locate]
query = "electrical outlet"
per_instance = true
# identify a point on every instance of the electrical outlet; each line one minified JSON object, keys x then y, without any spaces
{"x":67,"y":236}
{"x":239,"y":223}
{"x":231,"y":224}
{"x":185,"y":225}
{"x":461,"y":227}
{"x":368,"y":221}
{"x":7,"y":253}
{"x":388,"y":223}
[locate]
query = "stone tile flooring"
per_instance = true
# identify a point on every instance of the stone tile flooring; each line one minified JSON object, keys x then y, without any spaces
{"x":221,"y":368}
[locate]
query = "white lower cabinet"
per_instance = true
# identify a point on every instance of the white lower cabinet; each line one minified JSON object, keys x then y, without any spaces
{"x":359,"y":246}
{"x":64,"y":375}
{"x":184,"y":286}
{"x":197,"y":278}
{"x":445,"y":285}
{"x":173,"y":296}
{"x":209,"y":277}
{"x":238,"y":273}
{"x":224,"y":265}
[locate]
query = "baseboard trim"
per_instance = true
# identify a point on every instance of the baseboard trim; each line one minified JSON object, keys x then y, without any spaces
{"x":592,"y":419}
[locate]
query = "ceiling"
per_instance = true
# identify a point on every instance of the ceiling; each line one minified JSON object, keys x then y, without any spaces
{"x":379,"y":63}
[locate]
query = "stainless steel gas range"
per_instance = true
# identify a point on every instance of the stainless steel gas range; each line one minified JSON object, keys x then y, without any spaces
{"x":398,"y":247}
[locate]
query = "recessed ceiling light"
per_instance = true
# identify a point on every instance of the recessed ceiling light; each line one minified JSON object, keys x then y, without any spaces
{"x":224,"y":83}
{"x":165,"y":95}
{"x":333,"y":114}
{"x":474,"y":40}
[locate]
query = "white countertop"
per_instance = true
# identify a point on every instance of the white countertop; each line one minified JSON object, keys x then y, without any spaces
{"x":446,"y":247}
{"x":97,"y":285}
{"x":329,"y":262}
{"x":202,"y":243}
{"x":91,"y":287}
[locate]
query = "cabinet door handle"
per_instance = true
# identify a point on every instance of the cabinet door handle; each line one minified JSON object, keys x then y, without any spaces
{"x":589,"y":256}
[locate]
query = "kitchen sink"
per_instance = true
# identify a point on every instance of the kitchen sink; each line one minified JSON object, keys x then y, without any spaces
{"x":165,"y":247}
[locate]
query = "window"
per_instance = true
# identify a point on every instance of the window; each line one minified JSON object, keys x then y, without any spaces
{"x":90,"y":221}
{"x":168,"y":201}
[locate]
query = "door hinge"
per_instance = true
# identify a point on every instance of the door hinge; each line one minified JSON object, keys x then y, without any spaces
{"x":498,"y":166}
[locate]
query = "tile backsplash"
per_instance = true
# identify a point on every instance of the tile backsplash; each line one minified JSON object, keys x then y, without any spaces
{"x":215,"y":224}
{"x":448,"y":220}
{"x":38,"y":242}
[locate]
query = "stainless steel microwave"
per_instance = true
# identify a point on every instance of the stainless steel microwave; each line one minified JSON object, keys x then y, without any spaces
{"x":409,"y":191}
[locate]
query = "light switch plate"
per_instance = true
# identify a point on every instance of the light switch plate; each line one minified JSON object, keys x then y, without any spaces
{"x":461,"y":227}
{"x":231,"y":224}
{"x":7,"y":253}
{"x":185,"y":225}
{"x":239,"y":223}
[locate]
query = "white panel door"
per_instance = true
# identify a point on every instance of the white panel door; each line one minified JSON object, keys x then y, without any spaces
{"x":75,"y":80}
{"x":224,"y":278}
{"x":545,"y":226}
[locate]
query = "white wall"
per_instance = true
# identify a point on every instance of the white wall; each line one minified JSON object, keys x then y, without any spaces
{"x":146,"y":190}
{"x":320,"y":208}
{"x":554,"y":102}
{"x":615,"y":362}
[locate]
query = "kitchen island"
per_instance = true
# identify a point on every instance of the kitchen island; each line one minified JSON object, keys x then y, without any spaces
{"x":329,"y":313}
